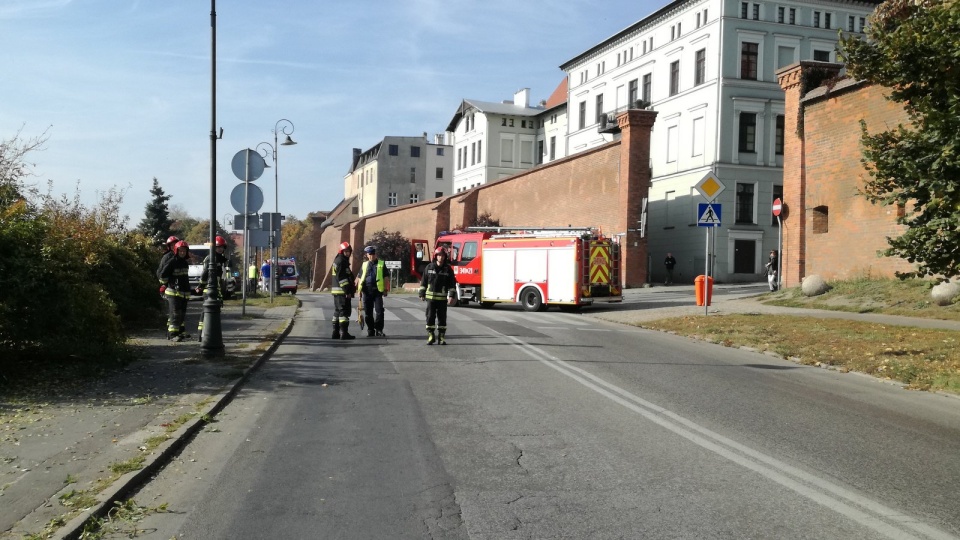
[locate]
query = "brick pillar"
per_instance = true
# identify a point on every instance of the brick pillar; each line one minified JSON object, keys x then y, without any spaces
{"x":635,"y":127}
{"x":794,"y":79}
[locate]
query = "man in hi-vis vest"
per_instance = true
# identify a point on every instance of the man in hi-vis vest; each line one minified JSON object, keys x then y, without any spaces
{"x":373,"y":287}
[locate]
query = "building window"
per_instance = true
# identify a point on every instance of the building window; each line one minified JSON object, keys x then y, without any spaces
{"x":632,"y":91}
{"x":526,"y":152}
{"x":413,"y":175}
{"x":394,"y":150}
{"x":582,"y":122}
{"x":748,"y":132}
{"x":503,"y":122}
{"x":778,"y":142}
{"x":698,"y":19}
{"x":781,"y":11}
{"x":438,"y":194}
{"x":414,"y":151}
{"x":553,"y":148}
{"x":674,"y":77}
{"x":439,"y":151}
{"x":777,"y":194}
{"x":414,"y":197}
{"x":599,"y":107}
{"x":756,"y":12}
{"x":647,"y":84}
{"x":827,"y":20}
{"x":439,"y":173}
{"x":744,"y":209}
{"x":744,"y":9}
{"x":793,"y":15}
{"x":851,"y":24}
{"x":540,"y":152}
{"x":863,"y":23}
{"x":511,"y":122}
{"x":700,"y":71}
{"x":821,"y":56}
{"x":473,"y":153}
{"x":479,"y":151}
{"x":816,"y":19}
{"x":392,"y":199}
{"x":821,"y":220}
{"x":748,"y":61}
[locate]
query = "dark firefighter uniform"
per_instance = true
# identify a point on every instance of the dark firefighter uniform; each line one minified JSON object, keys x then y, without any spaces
{"x":219,"y":262}
{"x":342,"y":290}
{"x":175,"y":285}
{"x":437,"y":287}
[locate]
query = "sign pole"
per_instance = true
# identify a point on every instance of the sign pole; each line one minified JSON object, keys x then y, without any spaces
{"x":779,"y":251}
{"x":706,"y":275}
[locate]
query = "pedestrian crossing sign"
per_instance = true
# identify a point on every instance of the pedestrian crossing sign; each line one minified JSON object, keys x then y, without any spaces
{"x":708,"y":215}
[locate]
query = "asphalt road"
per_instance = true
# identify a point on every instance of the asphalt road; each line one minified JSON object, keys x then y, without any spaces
{"x":552,"y":425}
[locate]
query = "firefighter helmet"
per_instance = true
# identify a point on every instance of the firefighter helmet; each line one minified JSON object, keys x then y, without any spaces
{"x":344,"y":247}
{"x":172,"y":240}
{"x":181,"y":244}
{"x":370,"y":249}
{"x":219,"y":241}
{"x":440,"y":251}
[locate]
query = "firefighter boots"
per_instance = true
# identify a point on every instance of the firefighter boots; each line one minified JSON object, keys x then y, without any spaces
{"x":430,"y":337}
{"x":440,"y":337}
{"x":336,"y":330}
{"x":343,"y":331}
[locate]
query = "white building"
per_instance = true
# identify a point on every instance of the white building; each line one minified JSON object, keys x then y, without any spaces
{"x":492,"y":141}
{"x":397,"y":171}
{"x":708,"y":68}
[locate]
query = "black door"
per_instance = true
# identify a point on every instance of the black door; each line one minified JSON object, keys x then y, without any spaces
{"x":744,"y":257}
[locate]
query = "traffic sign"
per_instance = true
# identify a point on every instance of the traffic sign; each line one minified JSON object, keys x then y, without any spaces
{"x":392,"y":265}
{"x":246,"y":196}
{"x":710,"y":186}
{"x":708,"y":215}
{"x":777,"y":206}
{"x":247,"y":165}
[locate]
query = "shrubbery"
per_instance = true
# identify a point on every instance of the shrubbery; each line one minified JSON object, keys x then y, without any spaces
{"x":71,"y":278}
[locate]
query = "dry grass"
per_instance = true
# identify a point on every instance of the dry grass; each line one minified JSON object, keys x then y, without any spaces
{"x":924,"y":359}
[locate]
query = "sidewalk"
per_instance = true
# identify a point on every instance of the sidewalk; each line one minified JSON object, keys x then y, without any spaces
{"x":67,"y":444}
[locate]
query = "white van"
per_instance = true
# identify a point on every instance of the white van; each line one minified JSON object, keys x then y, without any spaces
{"x":288,"y":275}
{"x":199,"y":252}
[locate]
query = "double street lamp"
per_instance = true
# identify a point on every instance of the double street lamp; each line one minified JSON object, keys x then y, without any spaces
{"x":282,"y":126}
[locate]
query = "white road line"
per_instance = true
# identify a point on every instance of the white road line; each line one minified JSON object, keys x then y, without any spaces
{"x":878,"y":517}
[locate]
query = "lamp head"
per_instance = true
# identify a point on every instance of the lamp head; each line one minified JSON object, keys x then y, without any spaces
{"x":288,"y":142}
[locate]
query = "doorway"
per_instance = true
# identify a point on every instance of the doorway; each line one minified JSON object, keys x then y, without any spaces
{"x":744,"y":257}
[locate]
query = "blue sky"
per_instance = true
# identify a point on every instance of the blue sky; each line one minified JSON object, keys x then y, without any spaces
{"x":123,"y":88}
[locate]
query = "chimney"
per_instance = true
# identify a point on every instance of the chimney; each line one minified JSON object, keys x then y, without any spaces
{"x":438,"y":138}
{"x":356,"y":157}
{"x":522,"y":97}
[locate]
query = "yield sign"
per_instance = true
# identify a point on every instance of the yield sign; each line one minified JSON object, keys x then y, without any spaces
{"x":710,"y":186}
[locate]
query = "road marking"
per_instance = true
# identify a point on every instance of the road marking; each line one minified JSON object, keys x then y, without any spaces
{"x":880,"y":518}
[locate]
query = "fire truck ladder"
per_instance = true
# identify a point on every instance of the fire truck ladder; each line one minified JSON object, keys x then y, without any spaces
{"x":538,"y":232}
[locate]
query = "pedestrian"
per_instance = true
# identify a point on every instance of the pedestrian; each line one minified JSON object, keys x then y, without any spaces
{"x":373,"y":287}
{"x":438,"y":288}
{"x":669,"y":263}
{"x":342,"y":289}
{"x":265,"y":276}
{"x":252,"y":277}
{"x":773,"y":270}
{"x":175,"y":286}
{"x":219,"y":262}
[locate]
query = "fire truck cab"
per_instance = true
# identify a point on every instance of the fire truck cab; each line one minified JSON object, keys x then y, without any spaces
{"x":535,"y":267}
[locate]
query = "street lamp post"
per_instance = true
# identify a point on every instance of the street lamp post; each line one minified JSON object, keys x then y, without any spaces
{"x":281,"y":126}
{"x":211,"y":341}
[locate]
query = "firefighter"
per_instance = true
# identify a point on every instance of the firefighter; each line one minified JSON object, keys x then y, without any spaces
{"x":438,"y":288}
{"x":373,"y":288}
{"x":167,"y":254}
{"x":342,"y":291}
{"x":175,"y":286}
{"x":219,"y":262}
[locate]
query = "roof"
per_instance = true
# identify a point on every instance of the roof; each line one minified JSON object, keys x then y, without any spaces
{"x":559,"y":96}
{"x":489,"y":107}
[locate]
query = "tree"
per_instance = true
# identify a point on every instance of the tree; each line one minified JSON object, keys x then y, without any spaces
{"x":156,"y":223}
{"x":485,"y":219}
{"x":911,"y":47}
{"x":393,"y":246}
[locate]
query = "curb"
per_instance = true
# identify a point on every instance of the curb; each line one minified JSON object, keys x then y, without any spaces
{"x":161,"y":456}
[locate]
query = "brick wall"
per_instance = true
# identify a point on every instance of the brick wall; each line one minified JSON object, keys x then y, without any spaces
{"x":595,"y":188}
{"x":822,"y":177}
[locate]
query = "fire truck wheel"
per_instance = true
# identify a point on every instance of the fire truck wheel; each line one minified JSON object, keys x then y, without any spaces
{"x":531,"y":300}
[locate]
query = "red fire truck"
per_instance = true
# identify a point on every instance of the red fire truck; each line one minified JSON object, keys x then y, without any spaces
{"x":534,"y":266}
